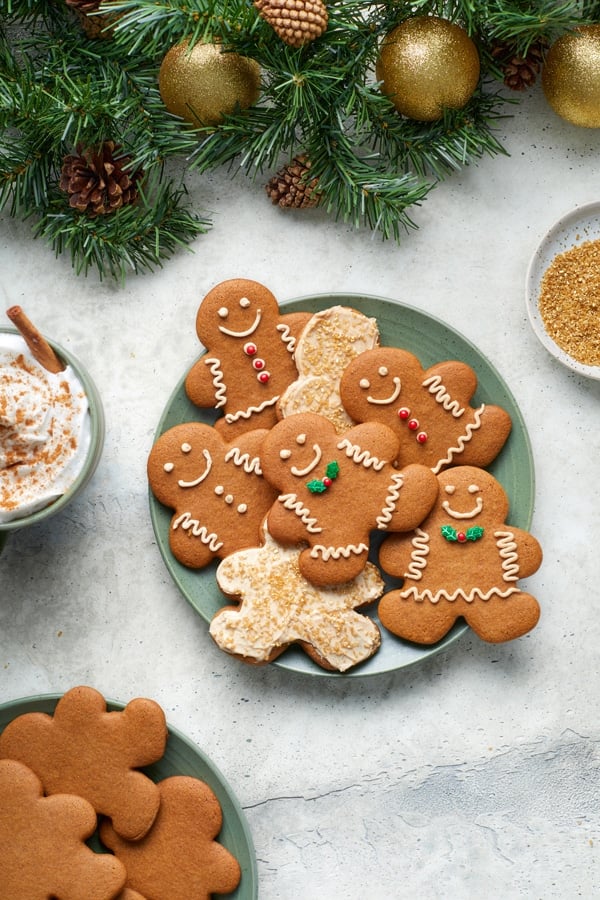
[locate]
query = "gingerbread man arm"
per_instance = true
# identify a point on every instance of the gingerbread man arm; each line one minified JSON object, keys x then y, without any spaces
{"x":395,"y":553}
{"x":291,"y":327}
{"x":287,"y":520}
{"x":204,"y":384}
{"x":459,"y":379}
{"x":416,"y":489}
{"x":528,"y":549}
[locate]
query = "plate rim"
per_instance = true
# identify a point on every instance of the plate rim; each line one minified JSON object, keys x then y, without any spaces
{"x":534,"y":275}
{"x":28,"y":702}
{"x":461,"y":627}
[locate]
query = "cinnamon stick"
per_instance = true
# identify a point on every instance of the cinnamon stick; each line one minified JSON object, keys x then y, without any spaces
{"x":37,"y":343}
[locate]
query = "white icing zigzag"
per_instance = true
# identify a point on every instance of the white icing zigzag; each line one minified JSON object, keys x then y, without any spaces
{"x":214,"y":365}
{"x":249,"y":463}
{"x":288,"y":339}
{"x":459,"y":593}
{"x":290,"y":501}
{"x":508,"y":552}
{"x":462,"y":440}
{"x":335,"y":552}
{"x":363,"y":457}
{"x":385,"y":516}
{"x":418,"y":561}
{"x":435,"y":387}
{"x":246,"y":413}
{"x":193,"y":527}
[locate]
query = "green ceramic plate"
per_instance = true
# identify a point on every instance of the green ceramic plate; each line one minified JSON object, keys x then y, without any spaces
{"x":182,"y":757}
{"x":432,"y":341}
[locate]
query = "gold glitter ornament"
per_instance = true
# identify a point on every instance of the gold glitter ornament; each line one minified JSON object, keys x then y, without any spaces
{"x":206,"y":83}
{"x":426,"y":65}
{"x":571,"y":76}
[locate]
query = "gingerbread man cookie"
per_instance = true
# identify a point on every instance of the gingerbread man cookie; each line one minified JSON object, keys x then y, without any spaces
{"x":179,"y":859}
{"x":280,"y":607}
{"x":329,"y":342}
{"x":216,"y":489}
{"x":42,"y":843}
{"x":463,"y":560}
{"x":428,"y":409}
{"x":250,"y":355}
{"x":335,"y":489}
{"x":84,"y":749}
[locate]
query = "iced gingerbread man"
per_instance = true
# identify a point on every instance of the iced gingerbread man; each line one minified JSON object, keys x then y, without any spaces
{"x":250,"y":355}
{"x":215,"y":487}
{"x":428,"y":409}
{"x":335,"y":489}
{"x":462,"y":561}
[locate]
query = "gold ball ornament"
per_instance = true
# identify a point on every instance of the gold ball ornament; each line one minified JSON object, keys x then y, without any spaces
{"x":571,"y":76}
{"x":426,"y":65}
{"x":204,"y":84}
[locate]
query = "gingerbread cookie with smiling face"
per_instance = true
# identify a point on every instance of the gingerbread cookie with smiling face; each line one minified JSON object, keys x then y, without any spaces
{"x":279,"y":607}
{"x":335,"y":489}
{"x":463,"y":560}
{"x":428,"y":409}
{"x":250,"y":355}
{"x":216,"y":489}
{"x":42,"y":843}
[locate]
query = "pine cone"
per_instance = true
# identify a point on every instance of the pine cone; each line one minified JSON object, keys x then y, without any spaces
{"x":289,"y":187}
{"x":94,"y":26}
{"x":97,"y":182}
{"x":296,"y":22}
{"x":520,"y":72}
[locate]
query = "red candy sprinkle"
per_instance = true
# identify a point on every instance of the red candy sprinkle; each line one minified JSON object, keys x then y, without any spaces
{"x":327,"y":481}
{"x":263,"y":377}
{"x":461,"y":536}
{"x":422,"y":437}
{"x":403,"y":413}
{"x":258,"y":363}
{"x":413,"y":424}
{"x":250,"y":349}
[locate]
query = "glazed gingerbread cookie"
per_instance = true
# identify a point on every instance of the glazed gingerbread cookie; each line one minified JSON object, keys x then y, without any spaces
{"x":463,"y":560}
{"x":179,"y":858}
{"x":328,"y":343}
{"x":279,"y":607}
{"x":335,"y":489}
{"x":428,"y":409}
{"x":86,"y":750}
{"x":250,"y":355}
{"x":42,"y":841}
{"x":216,"y":489}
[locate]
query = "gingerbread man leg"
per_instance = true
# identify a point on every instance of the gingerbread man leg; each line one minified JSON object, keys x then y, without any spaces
{"x":502,"y":618}
{"x":419,"y":621}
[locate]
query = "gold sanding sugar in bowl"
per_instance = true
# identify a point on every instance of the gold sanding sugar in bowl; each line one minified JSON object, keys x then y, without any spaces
{"x":569,"y":302}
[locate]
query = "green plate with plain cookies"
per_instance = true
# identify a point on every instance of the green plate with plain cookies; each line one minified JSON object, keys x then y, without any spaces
{"x":431,"y":340}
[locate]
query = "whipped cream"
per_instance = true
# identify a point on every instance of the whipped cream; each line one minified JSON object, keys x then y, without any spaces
{"x":45,"y":430}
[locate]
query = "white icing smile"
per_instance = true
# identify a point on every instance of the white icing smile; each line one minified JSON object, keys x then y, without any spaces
{"x":301,"y":473}
{"x":385,"y":401}
{"x":200,"y":479}
{"x":247,"y":332}
{"x":464,"y":515}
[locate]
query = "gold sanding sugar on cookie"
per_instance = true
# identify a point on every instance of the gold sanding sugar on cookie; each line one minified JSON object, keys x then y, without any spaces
{"x":569,"y":302}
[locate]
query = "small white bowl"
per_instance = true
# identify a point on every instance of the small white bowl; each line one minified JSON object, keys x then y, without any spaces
{"x":576,"y":227}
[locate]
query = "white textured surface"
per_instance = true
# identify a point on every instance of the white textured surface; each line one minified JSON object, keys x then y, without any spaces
{"x":474,"y":774}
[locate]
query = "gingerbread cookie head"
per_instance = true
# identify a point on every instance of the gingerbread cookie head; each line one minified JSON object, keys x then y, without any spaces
{"x":249,"y":360}
{"x":84,"y":749}
{"x":329,"y":342}
{"x":428,"y":409}
{"x":463,"y":560}
{"x":279,"y":607}
{"x":44,"y":853}
{"x":215,"y":488}
{"x":335,"y":489}
{"x":180,"y":858}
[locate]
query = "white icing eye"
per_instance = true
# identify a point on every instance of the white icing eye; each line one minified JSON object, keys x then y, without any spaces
{"x":285,"y":454}
{"x":301,"y":439}
{"x":168,"y":467}
{"x":244,"y":303}
{"x":364,"y":383}
{"x":223,"y":312}
{"x":450,"y":488}
{"x":473,"y":489}
{"x":186,"y":448}
{"x":219,"y":490}
{"x":242,"y":508}
{"x":383,"y":371}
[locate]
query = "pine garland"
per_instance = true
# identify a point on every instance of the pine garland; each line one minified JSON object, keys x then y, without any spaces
{"x":61,"y":90}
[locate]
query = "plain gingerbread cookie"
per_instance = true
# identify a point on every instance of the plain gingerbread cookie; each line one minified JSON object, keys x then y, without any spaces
{"x":250,"y":355}
{"x":84,"y":749}
{"x":428,"y":409}
{"x":463,"y":560}
{"x":43,"y":853}
{"x":335,"y":489}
